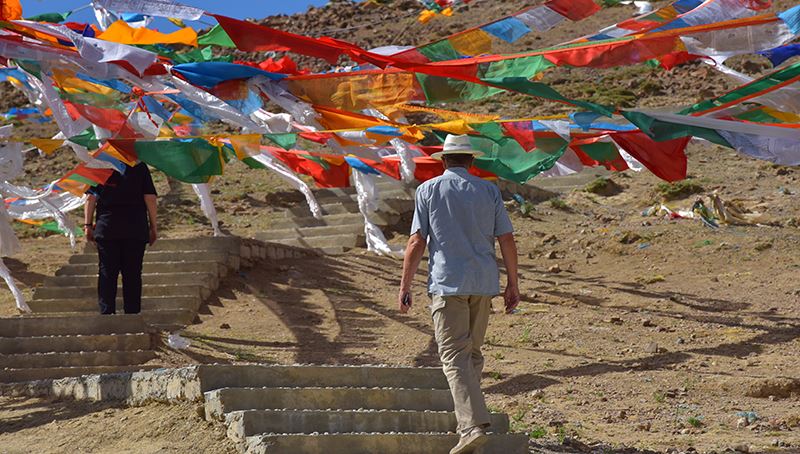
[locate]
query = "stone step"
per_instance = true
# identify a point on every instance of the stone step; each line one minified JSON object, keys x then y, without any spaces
{"x":324,"y":244}
{"x":21,"y":375}
{"x":346,"y":207}
{"x":75,"y":359}
{"x":395,"y":206}
{"x":205,"y":266}
{"x":226,"y":400}
{"x":63,"y":326}
{"x":189,"y":255}
{"x":166,"y":319}
{"x":153,"y":303}
{"x":242,"y":424}
{"x":210,"y":280}
{"x":380,"y":219}
{"x":414,"y":443}
{"x":226,"y":243}
{"x":382,"y":186}
{"x":310,"y":221}
{"x":216,"y":376}
{"x":89,"y":291}
{"x":278,"y":235}
{"x":331,"y":196}
{"x":78,"y":343}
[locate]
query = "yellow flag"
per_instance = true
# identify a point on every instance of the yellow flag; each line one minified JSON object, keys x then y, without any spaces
{"x":458,"y":127}
{"x":246,"y":145}
{"x":48,"y":146}
{"x":177,"y":22}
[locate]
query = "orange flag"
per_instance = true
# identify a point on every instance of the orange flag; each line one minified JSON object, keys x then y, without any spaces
{"x":10,"y":10}
{"x":121,"y":32}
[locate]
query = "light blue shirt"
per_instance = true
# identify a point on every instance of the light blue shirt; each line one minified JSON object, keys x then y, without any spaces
{"x":460,"y":215}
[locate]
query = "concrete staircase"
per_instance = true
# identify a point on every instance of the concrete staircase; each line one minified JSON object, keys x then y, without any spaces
{"x":331,"y":409}
{"x":65,"y":336}
{"x":178,"y":275}
{"x":342,"y":226}
{"x":277,"y":409}
{"x":37,"y":348}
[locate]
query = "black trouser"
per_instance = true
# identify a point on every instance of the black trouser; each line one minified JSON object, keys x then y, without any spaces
{"x":115,"y":256}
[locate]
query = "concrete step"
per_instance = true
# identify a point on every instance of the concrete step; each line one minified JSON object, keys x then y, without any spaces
{"x":189,"y":255}
{"x":64,"y":326}
{"x":226,"y":243}
{"x":346,"y":207}
{"x":210,"y":280}
{"x":395,"y":206}
{"x":432,"y":443}
{"x":89,"y":291}
{"x":325,"y":244}
{"x":382,"y":186}
{"x":78,"y":343}
{"x":216,"y":376}
{"x":163,"y":319}
{"x":332,"y":196}
{"x":310,"y":221}
{"x":226,"y":400}
{"x":380,"y":219}
{"x":205,"y":266}
{"x":75,"y":359}
{"x":20,"y":375}
{"x":152,"y":303}
{"x":277,"y":235}
{"x":242,"y":424}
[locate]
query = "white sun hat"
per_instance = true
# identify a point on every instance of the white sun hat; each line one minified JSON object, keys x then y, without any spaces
{"x":457,"y":145}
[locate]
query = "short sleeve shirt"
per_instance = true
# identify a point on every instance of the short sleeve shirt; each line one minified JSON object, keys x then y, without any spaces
{"x":121,"y":212}
{"x":460,"y":215}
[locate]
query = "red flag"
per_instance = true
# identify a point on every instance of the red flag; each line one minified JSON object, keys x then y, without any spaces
{"x":666,"y":160}
{"x":328,"y":171}
{"x":111,"y":119}
{"x":574,"y":10}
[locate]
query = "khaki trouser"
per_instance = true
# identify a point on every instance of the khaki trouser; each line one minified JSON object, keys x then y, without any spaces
{"x":460,"y":326}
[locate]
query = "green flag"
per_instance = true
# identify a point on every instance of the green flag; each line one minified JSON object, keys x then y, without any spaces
{"x":191,"y":161}
{"x":53,"y":18}
{"x":287,"y":141}
{"x":662,"y":131}
{"x":508,"y":160}
{"x":215,"y":37}
{"x":86,"y":139}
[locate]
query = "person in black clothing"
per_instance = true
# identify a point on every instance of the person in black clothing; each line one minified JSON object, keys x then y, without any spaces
{"x":123,"y":204}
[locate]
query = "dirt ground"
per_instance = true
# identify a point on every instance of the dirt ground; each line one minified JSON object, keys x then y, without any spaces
{"x":40,"y":426}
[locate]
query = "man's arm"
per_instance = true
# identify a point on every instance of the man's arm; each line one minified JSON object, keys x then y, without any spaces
{"x":88,"y":217}
{"x":414,"y":252}
{"x":508,"y":247}
{"x":151,"y":201}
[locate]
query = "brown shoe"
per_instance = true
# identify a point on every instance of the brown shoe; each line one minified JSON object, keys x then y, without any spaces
{"x":470,"y":441}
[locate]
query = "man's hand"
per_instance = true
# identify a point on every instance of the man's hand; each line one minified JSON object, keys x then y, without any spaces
{"x":88,"y":231}
{"x":153,"y":235}
{"x":511,"y":297}
{"x":404,"y":301}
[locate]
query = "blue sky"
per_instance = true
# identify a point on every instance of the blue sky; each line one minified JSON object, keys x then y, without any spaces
{"x":233,"y":8}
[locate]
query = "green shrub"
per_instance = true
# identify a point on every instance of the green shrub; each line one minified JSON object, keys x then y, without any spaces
{"x":679,"y":190}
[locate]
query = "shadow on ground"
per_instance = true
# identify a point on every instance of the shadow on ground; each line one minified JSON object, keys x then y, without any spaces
{"x":29,"y":413}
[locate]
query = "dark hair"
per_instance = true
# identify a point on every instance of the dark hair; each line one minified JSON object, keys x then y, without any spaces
{"x":458,"y":160}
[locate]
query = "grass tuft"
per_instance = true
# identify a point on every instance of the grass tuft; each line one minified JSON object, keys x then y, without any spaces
{"x":679,"y":190}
